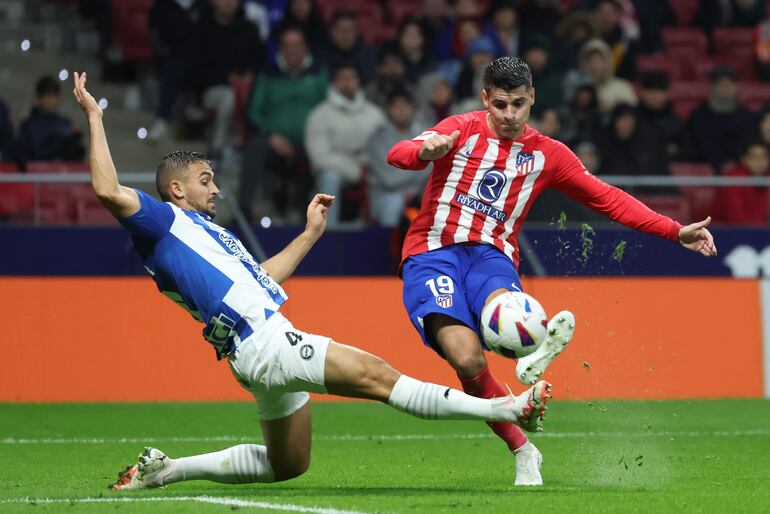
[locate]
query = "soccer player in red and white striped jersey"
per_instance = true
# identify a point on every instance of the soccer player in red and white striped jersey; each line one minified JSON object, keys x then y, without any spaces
{"x":461,"y":250}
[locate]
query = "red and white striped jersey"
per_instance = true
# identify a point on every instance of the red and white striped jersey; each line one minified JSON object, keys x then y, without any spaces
{"x":481,"y":191}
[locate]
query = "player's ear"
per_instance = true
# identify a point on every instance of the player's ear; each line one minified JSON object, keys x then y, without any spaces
{"x":485,"y":98}
{"x":532,"y":94}
{"x":176,"y":189}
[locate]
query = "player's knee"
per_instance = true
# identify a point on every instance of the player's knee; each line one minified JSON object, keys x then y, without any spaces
{"x":468,"y":364}
{"x":378,"y":378}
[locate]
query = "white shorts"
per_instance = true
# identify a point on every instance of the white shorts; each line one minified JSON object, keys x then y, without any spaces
{"x":279,"y":364}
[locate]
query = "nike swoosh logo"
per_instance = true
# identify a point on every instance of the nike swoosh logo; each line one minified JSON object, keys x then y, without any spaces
{"x":446,"y":393}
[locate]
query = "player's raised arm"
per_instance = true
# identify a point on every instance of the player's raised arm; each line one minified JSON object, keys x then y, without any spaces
{"x":282,"y":265}
{"x":119,"y":200}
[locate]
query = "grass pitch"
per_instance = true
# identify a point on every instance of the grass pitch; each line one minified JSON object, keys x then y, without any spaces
{"x":694,"y":456}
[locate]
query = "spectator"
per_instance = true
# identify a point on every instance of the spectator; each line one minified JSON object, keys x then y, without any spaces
{"x":391,"y":75}
{"x":549,"y":123}
{"x":652,"y":15}
{"x":596,"y":67}
{"x":437,"y":29}
{"x":656,"y":113}
{"x":6,"y":133}
{"x":465,"y":29}
{"x":304,"y":14}
{"x":410,"y":41}
{"x":718,"y":128}
{"x":503,"y":29}
{"x":390,"y":189}
{"x":227,"y":48}
{"x":548,"y":81}
{"x":728,"y":13}
{"x":572,"y":32}
{"x":583,"y":119}
{"x":748,"y":205}
{"x":346,"y":47}
{"x":590,"y":157}
{"x":479,"y":53}
{"x":172,"y":27}
{"x":629,"y":149}
{"x":541,"y":16}
{"x":337,"y":132}
{"x":46,"y":135}
{"x":620,"y":37}
{"x":281,"y":100}
{"x":435,"y":99}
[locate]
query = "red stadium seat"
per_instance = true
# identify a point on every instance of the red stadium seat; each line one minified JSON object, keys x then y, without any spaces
{"x":90,"y":212}
{"x":728,"y":39}
{"x":684,"y":40}
{"x":660,"y":62}
{"x":686,"y":96}
{"x":59,"y":199}
{"x":700,"y":198}
{"x":132,"y":28}
{"x":754,"y":95}
{"x":15,"y":199}
{"x":673,"y":206}
{"x":684,"y":10}
{"x":742,"y":63}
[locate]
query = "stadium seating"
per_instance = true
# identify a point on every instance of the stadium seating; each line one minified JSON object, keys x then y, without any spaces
{"x":15,"y":199}
{"x":673,"y":206}
{"x":700,"y":198}
{"x":754,"y":95}
{"x":57,"y":202}
{"x":132,"y":29}
{"x":686,"y":96}
{"x":660,"y":62}
{"x":728,"y":40}
{"x":683,"y":41}
{"x":684,"y":10}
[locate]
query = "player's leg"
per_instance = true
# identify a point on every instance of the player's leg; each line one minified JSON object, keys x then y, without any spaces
{"x":354,"y":373}
{"x":286,"y":427}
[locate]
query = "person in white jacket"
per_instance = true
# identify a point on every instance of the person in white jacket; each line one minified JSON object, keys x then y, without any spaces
{"x":337,"y":132}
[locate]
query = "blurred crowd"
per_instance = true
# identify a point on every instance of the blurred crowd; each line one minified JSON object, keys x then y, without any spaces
{"x":310,"y":94}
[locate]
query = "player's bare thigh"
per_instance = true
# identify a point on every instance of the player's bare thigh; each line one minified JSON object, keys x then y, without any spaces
{"x":288,"y":443}
{"x":354,"y":373}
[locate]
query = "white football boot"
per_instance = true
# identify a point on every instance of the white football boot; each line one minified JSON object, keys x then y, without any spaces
{"x":528,"y":408}
{"x":560,"y":330}
{"x":529,"y":460}
{"x":145,"y":474}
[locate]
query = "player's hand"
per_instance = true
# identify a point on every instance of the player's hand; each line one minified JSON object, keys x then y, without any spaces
{"x":436,"y":147}
{"x":317,"y":214}
{"x":696,"y":237}
{"x":84,"y":98}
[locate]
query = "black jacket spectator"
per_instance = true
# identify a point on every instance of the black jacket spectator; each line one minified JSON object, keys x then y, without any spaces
{"x":346,"y":47}
{"x":220,"y":50}
{"x":47,"y":135}
{"x":656,"y":112}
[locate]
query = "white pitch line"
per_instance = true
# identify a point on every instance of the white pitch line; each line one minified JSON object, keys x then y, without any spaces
{"x":232,"y":502}
{"x":380,"y":437}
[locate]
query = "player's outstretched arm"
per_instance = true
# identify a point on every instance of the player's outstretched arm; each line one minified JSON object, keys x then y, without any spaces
{"x":119,"y":200}
{"x":414,"y":154}
{"x":282,"y":265}
{"x":696,"y":237}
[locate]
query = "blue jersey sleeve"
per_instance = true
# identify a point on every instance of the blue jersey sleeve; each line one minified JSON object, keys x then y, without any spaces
{"x":152,"y":220}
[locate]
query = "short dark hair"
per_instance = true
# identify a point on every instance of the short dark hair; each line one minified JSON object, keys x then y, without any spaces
{"x":47,"y":85}
{"x":507,"y":73}
{"x":654,"y":79}
{"x":400,"y":93}
{"x":343,"y":15}
{"x":751,"y":143}
{"x":174,"y":165}
{"x":344,"y":65}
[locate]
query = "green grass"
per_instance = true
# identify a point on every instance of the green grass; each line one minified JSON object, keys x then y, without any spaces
{"x":699,"y":456}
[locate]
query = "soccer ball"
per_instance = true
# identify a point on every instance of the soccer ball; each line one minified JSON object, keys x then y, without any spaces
{"x":513,"y":324}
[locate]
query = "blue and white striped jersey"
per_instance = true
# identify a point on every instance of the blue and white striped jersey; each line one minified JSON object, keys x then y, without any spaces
{"x":205,"y":269}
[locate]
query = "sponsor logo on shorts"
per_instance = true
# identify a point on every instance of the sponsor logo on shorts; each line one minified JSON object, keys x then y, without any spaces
{"x":444,"y":301}
{"x":306,"y":352}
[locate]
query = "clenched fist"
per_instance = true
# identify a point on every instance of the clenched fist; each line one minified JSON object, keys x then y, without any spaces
{"x":436,"y":147}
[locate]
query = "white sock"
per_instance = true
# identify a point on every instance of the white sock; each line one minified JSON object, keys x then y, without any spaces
{"x":432,"y":401}
{"x":242,"y":464}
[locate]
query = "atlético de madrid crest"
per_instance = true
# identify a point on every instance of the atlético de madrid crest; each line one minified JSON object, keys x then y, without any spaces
{"x":525,"y":163}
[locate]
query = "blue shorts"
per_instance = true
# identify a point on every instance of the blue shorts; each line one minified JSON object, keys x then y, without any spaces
{"x":455,"y":281}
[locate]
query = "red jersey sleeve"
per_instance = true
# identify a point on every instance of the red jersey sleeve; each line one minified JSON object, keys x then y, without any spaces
{"x":405,"y":154}
{"x":571,"y":178}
